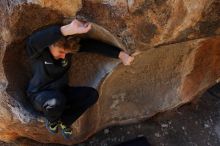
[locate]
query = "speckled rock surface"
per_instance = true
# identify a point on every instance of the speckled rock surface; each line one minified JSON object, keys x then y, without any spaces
{"x":179,"y":60}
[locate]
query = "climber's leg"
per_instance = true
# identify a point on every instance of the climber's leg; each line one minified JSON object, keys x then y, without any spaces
{"x":52,"y":104}
{"x":79,"y":99}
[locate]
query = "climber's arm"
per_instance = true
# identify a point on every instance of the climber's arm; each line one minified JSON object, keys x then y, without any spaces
{"x":95,"y":46}
{"x":40,"y":40}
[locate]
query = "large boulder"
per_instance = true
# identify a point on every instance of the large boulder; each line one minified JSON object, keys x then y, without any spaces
{"x":179,"y":60}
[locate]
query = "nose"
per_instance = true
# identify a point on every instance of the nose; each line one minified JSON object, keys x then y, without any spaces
{"x":62,"y":56}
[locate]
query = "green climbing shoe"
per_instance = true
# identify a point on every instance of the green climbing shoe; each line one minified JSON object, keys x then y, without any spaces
{"x":52,"y":127}
{"x":66,"y":131}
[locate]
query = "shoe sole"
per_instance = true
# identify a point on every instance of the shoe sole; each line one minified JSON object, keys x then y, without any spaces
{"x":67,"y":137}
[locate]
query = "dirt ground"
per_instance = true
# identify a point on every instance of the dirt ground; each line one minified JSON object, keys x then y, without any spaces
{"x":194,"y":124}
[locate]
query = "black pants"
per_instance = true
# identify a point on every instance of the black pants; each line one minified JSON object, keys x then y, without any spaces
{"x":66,"y":105}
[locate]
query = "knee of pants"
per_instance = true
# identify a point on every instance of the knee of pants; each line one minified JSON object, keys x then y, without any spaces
{"x":94,"y":96}
{"x":54,"y":105}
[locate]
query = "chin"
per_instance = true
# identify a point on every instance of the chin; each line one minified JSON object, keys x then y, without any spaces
{"x":56,"y":58}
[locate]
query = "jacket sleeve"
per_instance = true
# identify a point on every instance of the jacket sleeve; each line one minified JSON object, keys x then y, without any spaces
{"x":40,"y":40}
{"x":95,"y":46}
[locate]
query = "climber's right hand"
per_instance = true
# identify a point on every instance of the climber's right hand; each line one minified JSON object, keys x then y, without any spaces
{"x":75,"y":27}
{"x":125,"y":58}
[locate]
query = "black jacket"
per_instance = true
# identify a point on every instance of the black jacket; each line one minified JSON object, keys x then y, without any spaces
{"x":49,"y":73}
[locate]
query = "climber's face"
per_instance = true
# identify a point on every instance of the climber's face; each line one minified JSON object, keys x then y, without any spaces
{"x":58,"y":52}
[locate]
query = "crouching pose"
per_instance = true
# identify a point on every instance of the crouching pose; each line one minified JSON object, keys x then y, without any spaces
{"x":50,"y":52}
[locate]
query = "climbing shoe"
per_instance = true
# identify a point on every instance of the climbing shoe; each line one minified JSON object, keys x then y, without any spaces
{"x":66,"y":131}
{"x":52,"y":126}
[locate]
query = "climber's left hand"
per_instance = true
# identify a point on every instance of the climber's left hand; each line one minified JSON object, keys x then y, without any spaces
{"x":76,"y":27}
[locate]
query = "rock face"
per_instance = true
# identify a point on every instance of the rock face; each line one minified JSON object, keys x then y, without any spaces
{"x":179,"y":60}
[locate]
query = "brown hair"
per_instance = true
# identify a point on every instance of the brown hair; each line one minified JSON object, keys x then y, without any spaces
{"x":68,"y":43}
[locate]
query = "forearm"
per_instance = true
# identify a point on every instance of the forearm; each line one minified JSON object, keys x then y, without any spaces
{"x":65,"y":30}
{"x":46,"y":37}
{"x":95,"y":46}
{"x":38,"y":41}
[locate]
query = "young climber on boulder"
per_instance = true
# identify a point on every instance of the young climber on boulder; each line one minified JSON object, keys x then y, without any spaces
{"x":50,"y":51}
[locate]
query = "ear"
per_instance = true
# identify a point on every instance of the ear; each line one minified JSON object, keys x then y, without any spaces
{"x":51,"y":46}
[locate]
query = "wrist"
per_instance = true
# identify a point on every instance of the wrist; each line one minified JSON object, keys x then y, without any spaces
{"x":63,"y":30}
{"x":67,"y":30}
{"x":120,"y":55}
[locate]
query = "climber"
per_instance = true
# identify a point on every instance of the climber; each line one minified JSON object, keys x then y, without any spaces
{"x":50,"y":51}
